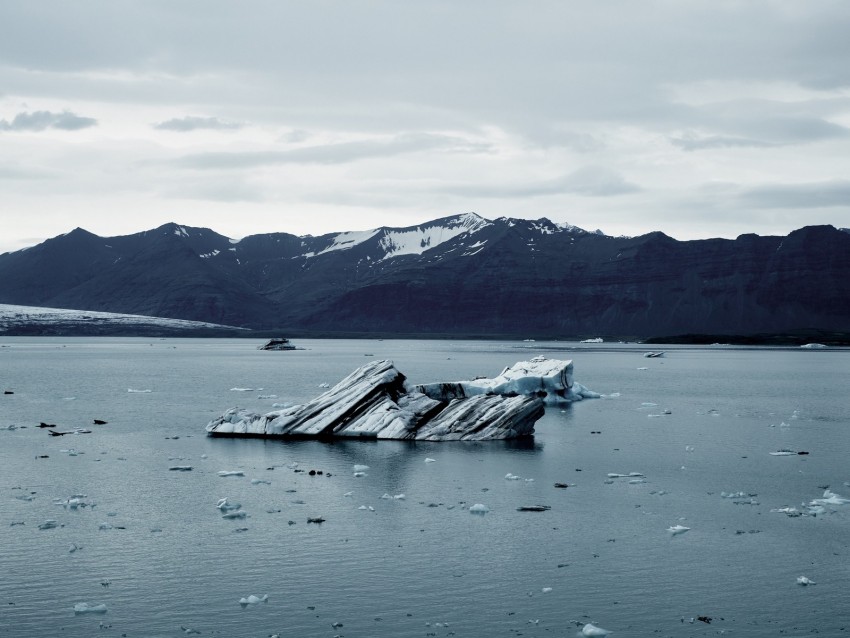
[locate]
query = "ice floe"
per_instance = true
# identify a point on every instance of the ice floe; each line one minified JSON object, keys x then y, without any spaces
{"x":591,"y":630}
{"x":89,"y":608}
{"x":253,"y":600}
{"x":224,"y":473}
{"x":479,"y":508}
{"x":675,"y":530}
{"x":805,"y":581}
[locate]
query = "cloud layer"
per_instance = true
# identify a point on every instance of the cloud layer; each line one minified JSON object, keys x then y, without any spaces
{"x":699,"y":118}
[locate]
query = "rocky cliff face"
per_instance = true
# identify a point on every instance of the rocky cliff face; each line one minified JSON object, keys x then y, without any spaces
{"x":460,"y":274}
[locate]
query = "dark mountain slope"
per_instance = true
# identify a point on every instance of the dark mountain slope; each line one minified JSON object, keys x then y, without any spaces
{"x":459,"y":274}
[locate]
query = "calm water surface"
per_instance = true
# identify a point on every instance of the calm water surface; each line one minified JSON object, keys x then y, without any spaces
{"x":406,"y":565}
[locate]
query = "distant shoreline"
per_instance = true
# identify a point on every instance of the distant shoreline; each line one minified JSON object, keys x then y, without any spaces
{"x":73,"y":329}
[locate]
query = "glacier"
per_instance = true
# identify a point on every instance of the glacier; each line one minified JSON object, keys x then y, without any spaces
{"x":375,"y":401}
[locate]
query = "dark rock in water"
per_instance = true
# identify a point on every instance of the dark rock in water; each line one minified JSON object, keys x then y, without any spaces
{"x":99,"y":422}
{"x":373,"y":402}
{"x":8,"y":392}
{"x":561,"y":485}
{"x":318,"y":519}
{"x":533,"y":508}
{"x":46,"y":425}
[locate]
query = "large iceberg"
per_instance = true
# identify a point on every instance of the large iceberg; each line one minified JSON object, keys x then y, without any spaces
{"x":549,"y":379}
{"x":375,"y":402}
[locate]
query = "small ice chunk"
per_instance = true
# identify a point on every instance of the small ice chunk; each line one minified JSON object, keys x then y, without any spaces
{"x":49,"y":524}
{"x":231,"y":473}
{"x":783,"y":453}
{"x":348,"y":494}
{"x":479,"y":508}
{"x":361,"y":468}
{"x":324,"y":385}
{"x":830,"y":498}
{"x":253,"y":600}
{"x":225,"y":505}
{"x":236,"y":514}
{"x":804,"y":581}
{"x":88,"y":608}
{"x":260,"y":482}
{"x":266,"y":396}
{"x":132,"y":391}
{"x":592,"y":630}
{"x":430,"y":460}
{"x":399,"y":497}
{"x":244,"y":389}
{"x":386,"y":496}
{"x":359,"y":474}
{"x":675,"y":530}
{"x":546,"y":590}
{"x":512,"y":477}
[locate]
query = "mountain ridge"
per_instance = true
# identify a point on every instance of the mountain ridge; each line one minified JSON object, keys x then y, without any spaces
{"x":458,"y":274}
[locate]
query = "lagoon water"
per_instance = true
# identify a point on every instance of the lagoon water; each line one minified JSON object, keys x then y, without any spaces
{"x":422,"y":565}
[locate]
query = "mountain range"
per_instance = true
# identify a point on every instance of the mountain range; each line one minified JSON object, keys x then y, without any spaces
{"x":459,"y":275}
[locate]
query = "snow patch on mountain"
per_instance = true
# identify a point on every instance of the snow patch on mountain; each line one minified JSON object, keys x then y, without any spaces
{"x":416,"y":240}
{"x":344,"y":241}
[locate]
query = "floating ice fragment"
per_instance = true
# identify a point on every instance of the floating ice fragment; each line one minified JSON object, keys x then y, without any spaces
{"x":225,"y":505}
{"x":348,"y":494}
{"x":675,"y":530}
{"x":360,"y":468}
{"x":479,"y":508}
{"x":804,"y":581}
{"x":362,"y":507}
{"x":592,"y":630}
{"x":132,"y":391}
{"x":430,"y":460}
{"x":830,"y":498}
{"x":266,"y":396}
{"x":237,"y":514}
{"x":636,"y":481}
{"x":253,"y":600}
{"x":386,"y":496}
{"x":789,"y":511}
{"x":231,"y":473}
{"x":324,"y":385}
{"x":641,"y":368}
{"x":546,"y":590}
{"x":260,"y":482}
{"x":512,"y":477}
{"x":105,"y":526}
{"x":783,"y":453}
{"x":88,"y":608}
{"x":360,"y":474}
{"x":244,"y":389}
{"x":49,"y":524}
{"x":399,"y":497}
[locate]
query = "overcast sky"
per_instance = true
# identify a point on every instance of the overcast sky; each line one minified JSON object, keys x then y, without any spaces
{"x":699,"y":118}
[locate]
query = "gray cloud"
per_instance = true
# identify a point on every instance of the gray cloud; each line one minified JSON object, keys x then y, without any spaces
{"x":41,"y":120}
{"x":825,"y":194}
{"x":193,"y":123}
{"x":334,"y":153}
{"x":590,"y":181}
{"x":694,"y":143}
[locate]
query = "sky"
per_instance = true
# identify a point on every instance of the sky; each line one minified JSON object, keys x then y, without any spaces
{"x":699,"y":118}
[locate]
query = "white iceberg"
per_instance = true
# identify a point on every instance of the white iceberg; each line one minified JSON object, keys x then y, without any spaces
{"x":479,"y":508}
{"x":592,"y":630}
{"x":804,"y":581}
{"x":231,"y":473}
{"x":549,"y":379}
{"x":675,"y":530}
{"x":374,"y":402}
{"x":813,"y":346}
